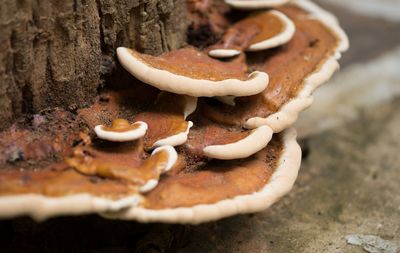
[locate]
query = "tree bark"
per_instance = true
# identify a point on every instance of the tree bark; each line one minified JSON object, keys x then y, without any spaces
{"x":58,"y":53}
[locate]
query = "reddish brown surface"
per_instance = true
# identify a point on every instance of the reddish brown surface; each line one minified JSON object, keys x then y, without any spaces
{"x":270,"y":25}
{"x":287,"y":68}
{"x":115,"y":170}
{"x":195,"y":64}
{"x":161,"y":125}
{"x":120,"y":161}
{"x":238,"y":37}
{"x":207,"y":133}
{"x":58,"y":180}
{"x":165,"y":119}
{"x":120,"y":126}
{"x":38,"y":140}
{"x":216,"y":181}
{"x":251,"y":30}
{"x":142,"y":103}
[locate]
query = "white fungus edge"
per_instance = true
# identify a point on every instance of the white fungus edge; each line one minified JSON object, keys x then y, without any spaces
{"x":148,"y":186}
{"x":255,"y":4}
{"x":174,"y":140}
{"x":280,"y":183}
{"x":223,"y":53}
{"x":41,"y":207}
{"x":289,"y":112}
{"x":190,"y":106}
{"x":172,"y":156}
{"x":251,"y":144}
{"x":129,"y":135}
{"x":257,"y":81}
{"x":279,"y":39}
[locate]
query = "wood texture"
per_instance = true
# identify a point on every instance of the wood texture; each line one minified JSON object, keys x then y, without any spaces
{"x":58,"y":53}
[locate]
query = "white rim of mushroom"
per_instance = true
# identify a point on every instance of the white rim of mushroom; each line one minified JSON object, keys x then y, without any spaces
{"x":107,"y":133}
{"x":40,"y":207}
{"x":172,"y":158}
{"x":255,"y":4}
{"x":224,"y":53}
{"x":174,"y":140}
{"x":122,"y":136}
{"x":279,"y":39}
{"x":251,"y":144}
{"x":190,"y":105}
{"x":280,"y":183}
{"x":180,"y":138}
{"x":164,"y":80}
{"x":289,"y":112}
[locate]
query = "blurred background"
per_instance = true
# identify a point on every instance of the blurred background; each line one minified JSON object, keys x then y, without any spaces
{"x":347,"y":197}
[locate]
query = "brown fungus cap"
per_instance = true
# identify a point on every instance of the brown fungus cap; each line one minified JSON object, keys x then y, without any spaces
{"x":96,"y":177}
{"x":167,"y":126}
{"x":208,"y":139}
{"x":295,"y":69}
{"x":222,"y":188}
{"x":189,"y":193}
{"x":262,"y":31}
{"x":59,"y":180}
{"x":165,"y":120}
{"x":121,"y":130}
{"x":189,"y":71}
{"x":124,"y":162}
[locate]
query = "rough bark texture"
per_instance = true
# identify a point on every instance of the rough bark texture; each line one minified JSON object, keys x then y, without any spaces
{"x":58,"y":53}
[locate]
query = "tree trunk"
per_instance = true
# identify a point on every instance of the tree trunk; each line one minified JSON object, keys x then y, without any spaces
{"x":58,"y":53}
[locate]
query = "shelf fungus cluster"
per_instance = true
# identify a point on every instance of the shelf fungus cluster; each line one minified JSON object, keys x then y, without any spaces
{"x":202,"y":133}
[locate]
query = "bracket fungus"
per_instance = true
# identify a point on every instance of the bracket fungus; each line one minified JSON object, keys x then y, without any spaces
{"x":222,"y":188}
{"x":316,"y":46}
{"x":255,"y":4}
{"x":210,"y":137}
{"x":124,"y":163}
{"x":243,"y":148}
{"x":120,"y":130}
{"x":165,"y":122}
{"x":187,"y":71}
{"x":262,"y":31}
